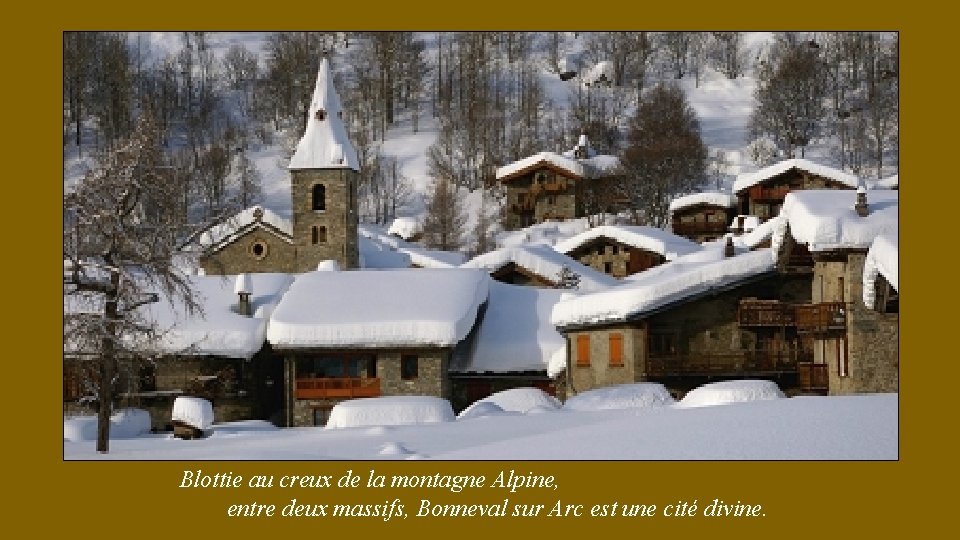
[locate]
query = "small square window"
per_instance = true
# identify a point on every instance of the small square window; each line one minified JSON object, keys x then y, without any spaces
{"x":409,"y":367}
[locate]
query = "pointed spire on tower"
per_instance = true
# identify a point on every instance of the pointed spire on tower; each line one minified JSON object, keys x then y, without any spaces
{"x":325,"y":144}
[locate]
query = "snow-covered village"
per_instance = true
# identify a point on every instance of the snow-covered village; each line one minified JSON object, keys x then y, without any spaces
{"x":481,"y":246}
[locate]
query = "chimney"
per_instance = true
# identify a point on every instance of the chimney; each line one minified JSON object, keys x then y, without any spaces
{"x":728,"y":247}
{"x":862,"y":208}
{"x":243,"y":289}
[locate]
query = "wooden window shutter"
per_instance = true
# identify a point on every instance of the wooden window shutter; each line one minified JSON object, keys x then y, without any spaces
{"x":616,"y":349}
{"x":583,"y":350}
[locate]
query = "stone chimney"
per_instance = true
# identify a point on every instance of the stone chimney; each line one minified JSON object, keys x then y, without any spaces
{"x":728,"y":247}
{"x":862,"y":208}
{"x":244,"y":288}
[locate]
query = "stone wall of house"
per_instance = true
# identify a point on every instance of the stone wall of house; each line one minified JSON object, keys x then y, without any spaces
{"x":599,"y":372}
{"x":432,"y":380}
{"x":556,"y":205}
{"x":613,"y":258}
{"x":339,"y":218}
{"x":865,"y":358}
{"x":240,"y":257}
{"x":701,"y":223}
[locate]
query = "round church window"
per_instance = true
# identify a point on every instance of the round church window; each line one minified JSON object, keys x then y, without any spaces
{"x":258,"y":249}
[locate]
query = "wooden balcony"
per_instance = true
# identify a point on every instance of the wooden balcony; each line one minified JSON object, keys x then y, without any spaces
{"x":699,"y":227}
{"x":763,"y":193}
{"x":553,"y":187}
{"x":812,"y":376}
{"x":524,"y":207}
{"x":822,"y":317}
{"x":328,"y":387}
{"x":739,"y":363}
{"x":754,"y":312}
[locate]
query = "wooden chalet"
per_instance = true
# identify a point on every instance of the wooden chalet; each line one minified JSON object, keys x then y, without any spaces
{"x":680,"y":332}
{"x":622,"y":251}
{"x":762,"y":193}
{"x":702,"y":217}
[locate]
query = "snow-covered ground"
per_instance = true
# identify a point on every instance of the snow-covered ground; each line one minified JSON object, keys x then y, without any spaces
{"x":862,"y":427}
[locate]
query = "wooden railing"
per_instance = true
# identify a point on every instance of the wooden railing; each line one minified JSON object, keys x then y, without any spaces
{"x":762,"y":193}
{"x":765,"y":313}
{"x":698,"y":227}
{"x":757,"y":362}
{"x":822,"y":317}
{"x":812,"y":376}
{"x":328,"y":387}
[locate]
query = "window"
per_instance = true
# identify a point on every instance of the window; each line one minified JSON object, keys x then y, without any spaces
{"x":608,"y":268}
{"x":843,"y":368}
{"x":583,"y":350}
{"x":320,"y":114}
{"x":409,"y":367}
{"x":259,"y":250}
{"x":319,"y":197}
{"x":319,"y":235}
{"x":321,"y":415}
{"x":616,"y":350}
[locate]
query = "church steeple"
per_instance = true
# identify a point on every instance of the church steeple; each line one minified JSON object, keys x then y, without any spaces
{"x":325,"y":144}
{"x":324,"y":175}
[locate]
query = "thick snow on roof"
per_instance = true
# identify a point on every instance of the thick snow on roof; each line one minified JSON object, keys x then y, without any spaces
{"x":373,"y":254}
{"x":713,"y":198}
{"x":693,"y":274}
{"x":325,"y":144}
{"x":621,"y":396}
{"x":219,"y":330}
{"x":515,"y":333}
{"x":883,"y":259}
{"x":652,"y":239}
{"x":570,"y":165}
{"x":725,"y":392}
{"x":390,"y":308}
{"x":234,"y":227}
{"x":890,"y":182}
{"x":826,"y":219}
{"x":404,"y":227}
{"x":548,"y":232}
{"x":747,"y":180}
{"x":390,"y":411}
{"x":600,"y":70}
{"x":418,"y":255}
{"x":194,"y":411}
{"x":758,"y":233}
{"x":544,"y":261}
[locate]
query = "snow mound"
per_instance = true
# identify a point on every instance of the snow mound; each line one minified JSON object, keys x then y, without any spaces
{"x":328,"y":265}
{"x":481,"y":409}
{"x":390,"y":411}
{"x":404,"y":227}
{"x":623,"y":396}
{"x":724,"y":392}
{"x":516,"y":399}
{"x":124,"y":424}
{"x":193,"y":411}
{"x":394,"y":449}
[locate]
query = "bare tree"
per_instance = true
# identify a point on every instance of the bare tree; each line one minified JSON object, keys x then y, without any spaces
{"x":121,"y":231}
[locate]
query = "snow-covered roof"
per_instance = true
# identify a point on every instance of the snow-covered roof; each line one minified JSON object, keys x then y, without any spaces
{"x":548,"y":232}
{"x":826,"y":219}
{"x":404,"y":227}
{"x":515,"y":333}
{"x":417,"y":255}
{"x":390,"y":308}
{"x":543,"y":261}
{"x":373,"y":254}
{"x":241,"y":223}
{"x":569,"y":165}
{"x":746,"y":180}
{"x":883,"y":259}
{"x":890,"y":182}
{"x":218,"y":330}
{"x":687,"y":276}
{"x":758,"y":233}
{"x":712,"y":198}
{"x":600,"y":70}
{"x":325,"y":144}
{"x":639,"y":236}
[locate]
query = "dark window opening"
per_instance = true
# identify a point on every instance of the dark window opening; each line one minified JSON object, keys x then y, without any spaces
{"x":409,"y":367}
{"x":259,"y":250}
{"x":319,"y":197}
{"x":320,"y":114}
{"x":321,"y":415}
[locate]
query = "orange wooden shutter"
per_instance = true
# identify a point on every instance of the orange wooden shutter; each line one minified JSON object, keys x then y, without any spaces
{"x":616,"y":349}
{"x":583,"y":350}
